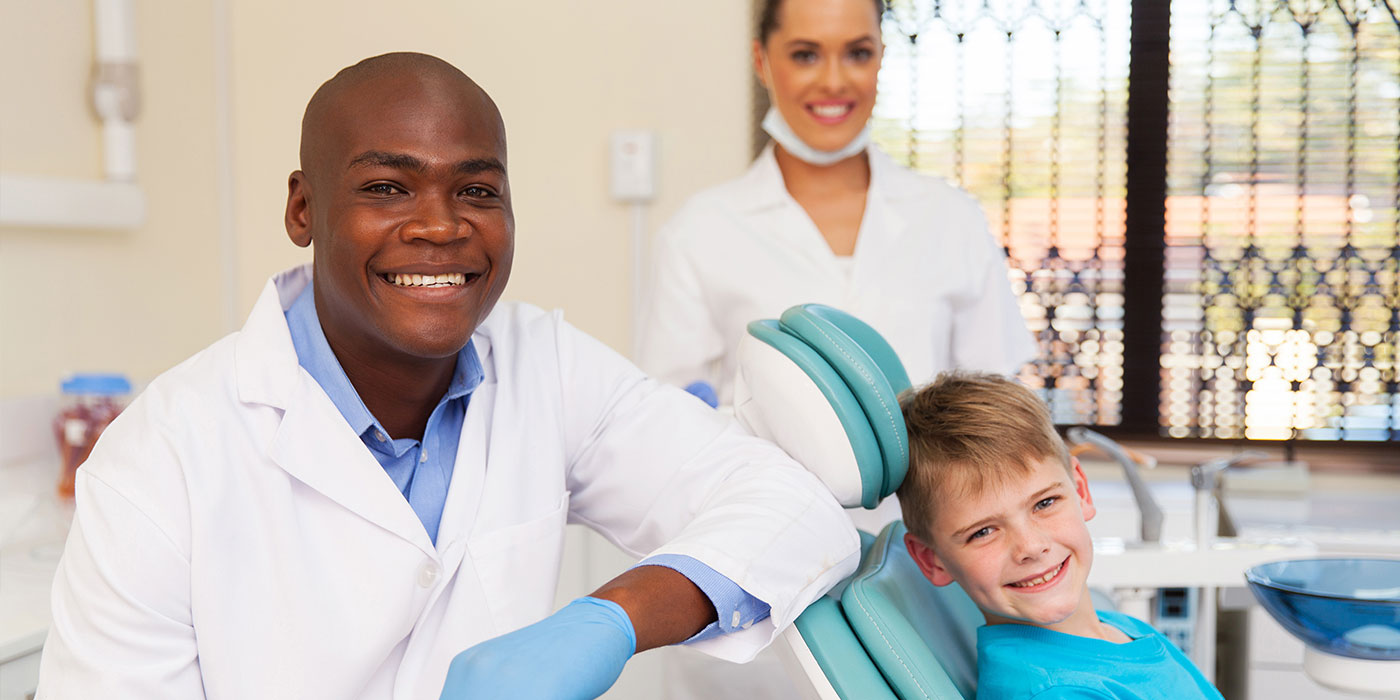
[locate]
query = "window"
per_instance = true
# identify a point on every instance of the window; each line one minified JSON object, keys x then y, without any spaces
{"x":1200,"y":200}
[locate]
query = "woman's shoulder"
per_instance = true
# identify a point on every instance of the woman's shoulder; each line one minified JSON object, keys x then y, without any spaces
{"x":720,"y":207}
{"x":901,"y":182}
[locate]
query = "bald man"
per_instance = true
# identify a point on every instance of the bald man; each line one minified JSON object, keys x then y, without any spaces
{"x":363,"y":493}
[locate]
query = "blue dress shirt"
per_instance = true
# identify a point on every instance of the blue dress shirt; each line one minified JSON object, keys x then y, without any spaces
{"x":422,"y":469}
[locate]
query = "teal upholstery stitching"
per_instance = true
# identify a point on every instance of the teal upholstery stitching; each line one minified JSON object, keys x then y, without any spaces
{"x":870,"y":379}
{"x":865,"y":609}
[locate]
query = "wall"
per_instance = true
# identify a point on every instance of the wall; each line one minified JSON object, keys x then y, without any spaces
{"x":564,"y":73}
{"x":136,"y":301}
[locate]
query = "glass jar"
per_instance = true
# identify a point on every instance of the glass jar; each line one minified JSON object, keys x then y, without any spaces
{"x":90,"y":402}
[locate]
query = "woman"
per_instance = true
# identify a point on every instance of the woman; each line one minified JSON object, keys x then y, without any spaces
{"x":822,"y":216}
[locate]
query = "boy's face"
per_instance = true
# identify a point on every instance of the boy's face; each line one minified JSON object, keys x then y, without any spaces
{"x":1021,"y":551}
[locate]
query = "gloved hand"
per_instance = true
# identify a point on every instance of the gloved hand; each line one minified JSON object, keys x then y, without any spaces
{"x":575,"y":654}
{"x":703,"y":391}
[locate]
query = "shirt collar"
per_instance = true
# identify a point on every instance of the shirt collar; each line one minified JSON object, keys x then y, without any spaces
{"x":761,"y":187}
{"x":315,"y":355}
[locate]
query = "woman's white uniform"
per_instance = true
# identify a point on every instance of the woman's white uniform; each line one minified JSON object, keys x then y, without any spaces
{"x":234,"y":539}
{"x":925,"y":273}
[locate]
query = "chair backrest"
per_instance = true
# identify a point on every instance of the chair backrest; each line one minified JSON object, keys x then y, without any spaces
{"x":824,"y":385}
{"x":923,"y":638}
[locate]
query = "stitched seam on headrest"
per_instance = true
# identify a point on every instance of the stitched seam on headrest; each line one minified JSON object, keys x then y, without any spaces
{"x":897,"y":656}
{"x":871,"y":381}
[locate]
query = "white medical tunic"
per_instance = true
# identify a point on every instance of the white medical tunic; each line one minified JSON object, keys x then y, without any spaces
{"x":235,"y":539}
{"x":925,"y":273}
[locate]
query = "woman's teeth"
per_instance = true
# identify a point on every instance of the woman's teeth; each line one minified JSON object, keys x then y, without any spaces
{"x":1039,"y":579}
{"x":830,"y":111}
{"x":451,"y":279}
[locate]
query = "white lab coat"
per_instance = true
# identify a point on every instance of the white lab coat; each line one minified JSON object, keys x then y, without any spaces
{"x":925,"y":273}
{"x":234,"y":538}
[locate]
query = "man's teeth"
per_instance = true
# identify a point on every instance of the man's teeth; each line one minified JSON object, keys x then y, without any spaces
{"x":1039,"y":579}
{"x":451,"y":279}
{"x":830,"y":110}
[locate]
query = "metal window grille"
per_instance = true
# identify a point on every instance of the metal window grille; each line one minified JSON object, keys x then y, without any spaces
{"x":1237,"y":275}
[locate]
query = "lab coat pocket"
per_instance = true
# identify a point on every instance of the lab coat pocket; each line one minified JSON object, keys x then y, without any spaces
{"x":518,"y":566}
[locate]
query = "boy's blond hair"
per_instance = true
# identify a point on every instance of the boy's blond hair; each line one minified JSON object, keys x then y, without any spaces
{"x":967,"y":432}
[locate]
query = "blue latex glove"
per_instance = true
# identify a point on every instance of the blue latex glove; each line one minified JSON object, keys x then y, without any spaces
{"x":704,"y":392}
{"x":575,"y":654}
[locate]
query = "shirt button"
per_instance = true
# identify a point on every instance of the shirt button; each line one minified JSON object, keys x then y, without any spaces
{"x":379,"y":435}
{"x":423,"y":456}
{"x":428,"y":574}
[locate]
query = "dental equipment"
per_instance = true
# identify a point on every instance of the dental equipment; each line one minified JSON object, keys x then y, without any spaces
{"x":1151,"y":514}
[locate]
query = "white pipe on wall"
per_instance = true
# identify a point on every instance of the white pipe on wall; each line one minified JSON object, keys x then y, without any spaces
{"x":115,"y":89}
{"x":118,"y":201}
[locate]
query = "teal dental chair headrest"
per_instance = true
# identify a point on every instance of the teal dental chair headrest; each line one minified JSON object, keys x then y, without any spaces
{"x":824,"y":385}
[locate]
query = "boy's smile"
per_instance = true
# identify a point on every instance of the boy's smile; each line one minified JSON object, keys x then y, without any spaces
{"x":1020,"y":550}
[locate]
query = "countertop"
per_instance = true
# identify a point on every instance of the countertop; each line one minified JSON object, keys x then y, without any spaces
{"x":1341,"y":513}
{"x":33,"y":525}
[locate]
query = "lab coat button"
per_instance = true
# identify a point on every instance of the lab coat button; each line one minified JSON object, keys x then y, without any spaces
{"x":428,"y":574}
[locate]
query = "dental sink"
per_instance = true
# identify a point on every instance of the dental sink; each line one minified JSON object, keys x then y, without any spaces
{"x":1180,"y":563}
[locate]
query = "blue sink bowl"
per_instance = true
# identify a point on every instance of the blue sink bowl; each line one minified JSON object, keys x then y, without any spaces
{"x":1347,"y":607}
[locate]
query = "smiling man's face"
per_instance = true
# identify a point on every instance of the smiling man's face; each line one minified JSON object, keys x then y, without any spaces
{"x":404,"y":195}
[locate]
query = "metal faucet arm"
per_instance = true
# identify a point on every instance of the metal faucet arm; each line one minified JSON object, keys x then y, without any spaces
{"x":1151,"y":513}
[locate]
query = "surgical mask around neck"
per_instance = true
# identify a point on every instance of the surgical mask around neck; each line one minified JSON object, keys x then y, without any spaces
{"x":778,"y":128}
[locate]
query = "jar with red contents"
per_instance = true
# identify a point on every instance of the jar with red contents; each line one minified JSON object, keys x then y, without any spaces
{"x":90,"y":402}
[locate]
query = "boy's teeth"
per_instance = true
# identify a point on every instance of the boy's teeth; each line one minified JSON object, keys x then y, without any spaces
{"x":451,"y":279}
{"x":1039,"y":579}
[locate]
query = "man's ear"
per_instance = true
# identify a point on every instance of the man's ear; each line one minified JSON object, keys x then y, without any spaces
{"x":298,"y":215}
{"x":928,"y":561}
{"x":758,"y":64}
{"x":1081,"y":487}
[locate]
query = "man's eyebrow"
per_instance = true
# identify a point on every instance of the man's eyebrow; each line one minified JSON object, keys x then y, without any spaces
{"x":399,"y":161}
{"x":474,"y":166}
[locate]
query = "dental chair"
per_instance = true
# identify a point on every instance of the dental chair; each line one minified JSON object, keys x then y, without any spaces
{"x":823,"y":385}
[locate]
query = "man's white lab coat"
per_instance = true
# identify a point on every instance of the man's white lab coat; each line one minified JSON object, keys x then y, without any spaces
{"x":235,"y":539}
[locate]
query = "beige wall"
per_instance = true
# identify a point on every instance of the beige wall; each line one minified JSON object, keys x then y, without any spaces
{"x":564,"y":72}
{"x":135,"y":301}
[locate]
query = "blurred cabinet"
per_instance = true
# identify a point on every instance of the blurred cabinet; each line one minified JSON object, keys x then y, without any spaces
{"x":1276,"y":664}
{"x":19,"y":676}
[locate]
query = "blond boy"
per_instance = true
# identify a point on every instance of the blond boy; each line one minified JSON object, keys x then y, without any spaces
{"x":994,"y":502}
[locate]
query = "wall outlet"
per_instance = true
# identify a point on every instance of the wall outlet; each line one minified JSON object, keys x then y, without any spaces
{"x":633,"y":160}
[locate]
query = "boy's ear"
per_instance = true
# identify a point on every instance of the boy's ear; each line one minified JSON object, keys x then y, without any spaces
{"x":928,"y":561}
{"x":298,"y":214}
{"x":1081,"y":487}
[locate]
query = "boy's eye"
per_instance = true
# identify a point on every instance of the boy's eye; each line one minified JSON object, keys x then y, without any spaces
{"x":979,"y":534}
{"x":478,"y":192}
{"x":1046,"y":502}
